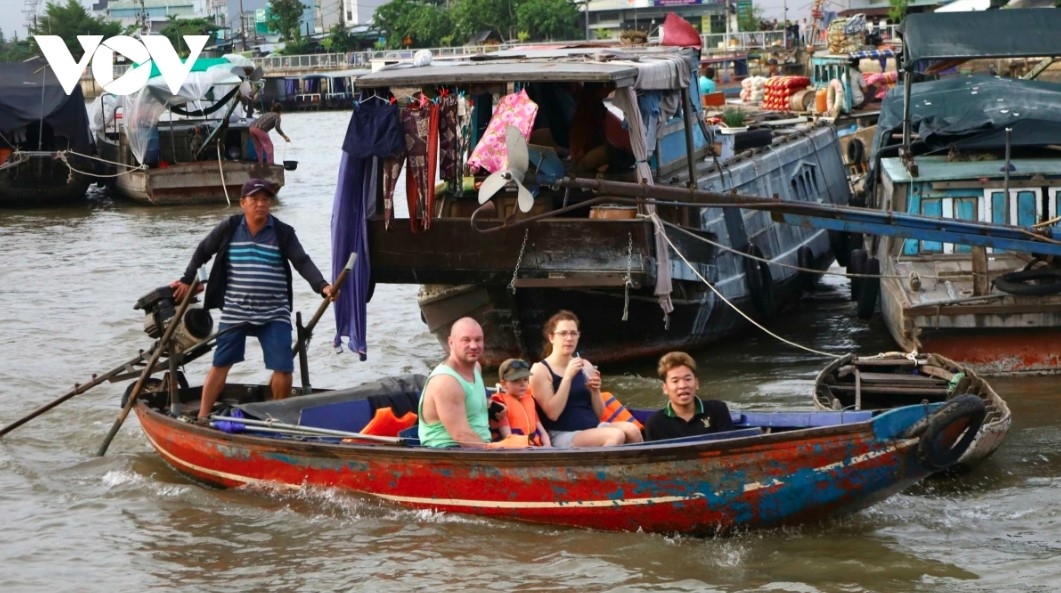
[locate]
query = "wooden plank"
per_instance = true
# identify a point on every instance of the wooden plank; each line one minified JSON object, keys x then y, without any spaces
{"x":891,"y":389}
{"x":897,"y":378}
{"x":451,"y":252}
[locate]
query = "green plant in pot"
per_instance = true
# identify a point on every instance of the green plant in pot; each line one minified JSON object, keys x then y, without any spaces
{"x":733,"y":117}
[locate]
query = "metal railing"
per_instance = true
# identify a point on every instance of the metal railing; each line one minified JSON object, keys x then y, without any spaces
{"x":305,"y":63}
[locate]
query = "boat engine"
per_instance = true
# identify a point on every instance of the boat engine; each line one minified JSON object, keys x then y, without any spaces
{"x":159,"y":307}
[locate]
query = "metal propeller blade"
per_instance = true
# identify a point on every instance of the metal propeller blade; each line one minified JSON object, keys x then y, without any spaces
{"x":524,"y":199}
{"x":518,"y":163}
{"x":514,"y":171}
{"x":491,"y":185}
{"x":516,"y":145}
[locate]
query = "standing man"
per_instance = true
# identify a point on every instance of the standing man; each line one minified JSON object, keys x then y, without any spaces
{"x":250,"y":282}
{"x":706,"y":82}
{"x":453,"y":406}
{"x":685,"y":413}
{"x":263,"y":146}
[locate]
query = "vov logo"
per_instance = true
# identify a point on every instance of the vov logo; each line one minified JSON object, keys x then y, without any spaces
{"x":143,"y":51}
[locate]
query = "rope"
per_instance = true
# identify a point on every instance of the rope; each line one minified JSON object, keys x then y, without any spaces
{"x":734,"y":307}
{"x":62,"y":156}
{"x":777,"y":263}
{"x":221,"y":168}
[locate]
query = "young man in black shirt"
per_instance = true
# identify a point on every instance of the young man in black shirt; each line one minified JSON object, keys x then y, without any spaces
{"x":685,"y":414}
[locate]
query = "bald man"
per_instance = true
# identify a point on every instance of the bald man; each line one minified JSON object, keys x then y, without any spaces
{"x":453,"y":405}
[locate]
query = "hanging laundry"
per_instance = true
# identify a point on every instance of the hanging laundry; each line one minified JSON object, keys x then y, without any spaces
{"x":449,"y":142}
{"x":373,"y":133}
{"x":516,"y":109}
{"x":420,"y":125}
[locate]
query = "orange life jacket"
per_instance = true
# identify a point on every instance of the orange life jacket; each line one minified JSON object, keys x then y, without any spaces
{"x":615,"y":411}
{"x":522,"y":415}
{"x":385,"y":423}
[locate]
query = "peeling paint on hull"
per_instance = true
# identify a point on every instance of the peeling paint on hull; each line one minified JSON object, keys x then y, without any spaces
{"x":694,"y":488}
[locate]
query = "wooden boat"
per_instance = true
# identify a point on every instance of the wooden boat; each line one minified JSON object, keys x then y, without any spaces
{"x":976,"y":149}
{"x":183,"y":148}
{"x":643,"y":277}
{"x":894,"y":379}
{"x":776,"y":469}
{"x":46,"y":152}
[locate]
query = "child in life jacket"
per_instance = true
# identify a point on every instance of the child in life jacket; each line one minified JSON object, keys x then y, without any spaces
{"x":521,"y":415}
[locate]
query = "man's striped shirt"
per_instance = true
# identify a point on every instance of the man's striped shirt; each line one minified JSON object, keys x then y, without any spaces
{"x":257,"y":280}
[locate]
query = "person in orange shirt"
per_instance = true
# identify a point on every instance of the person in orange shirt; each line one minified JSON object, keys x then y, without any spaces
{"x":521,"y":415}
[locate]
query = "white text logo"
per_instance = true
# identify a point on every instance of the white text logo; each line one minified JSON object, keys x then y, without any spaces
{"x":143,"y":51}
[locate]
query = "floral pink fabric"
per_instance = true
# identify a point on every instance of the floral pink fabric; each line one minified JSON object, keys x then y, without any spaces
{"x":490,"y":153}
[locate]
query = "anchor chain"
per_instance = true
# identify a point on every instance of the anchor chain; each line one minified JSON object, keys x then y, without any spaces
{"x":519,"y":261}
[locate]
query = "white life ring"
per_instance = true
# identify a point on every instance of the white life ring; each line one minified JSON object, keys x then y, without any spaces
{"x":834,"y":98}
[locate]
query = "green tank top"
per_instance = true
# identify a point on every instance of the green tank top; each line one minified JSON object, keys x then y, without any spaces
{"x":434,"y":434}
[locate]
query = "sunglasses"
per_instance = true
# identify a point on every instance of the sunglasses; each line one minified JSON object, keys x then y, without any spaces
{"x":519,"y":365}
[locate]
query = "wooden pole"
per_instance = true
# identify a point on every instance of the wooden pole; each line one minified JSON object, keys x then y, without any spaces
{"x":77,"y":390}
{"x":304,"y":334}
{"x":159,"y":347}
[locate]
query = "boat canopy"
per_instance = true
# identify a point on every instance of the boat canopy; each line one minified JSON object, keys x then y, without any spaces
{"x":1012,"y":33}
{"x":665,"y":68}
{"x":973,"y":112}
{"x":208,"y":83}
{"x":29,"y":93}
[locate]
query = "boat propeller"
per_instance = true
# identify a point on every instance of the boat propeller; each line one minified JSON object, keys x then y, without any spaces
{"x":515,"y":171}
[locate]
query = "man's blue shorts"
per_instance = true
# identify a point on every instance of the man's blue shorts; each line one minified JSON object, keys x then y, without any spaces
{"x":275,"y":338}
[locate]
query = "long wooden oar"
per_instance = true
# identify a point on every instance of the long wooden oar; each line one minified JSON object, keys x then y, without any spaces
{"x":304,"y":334}
{"x":161,"y":345}
{"x":77,"y":390}
{"x":255,"y":424}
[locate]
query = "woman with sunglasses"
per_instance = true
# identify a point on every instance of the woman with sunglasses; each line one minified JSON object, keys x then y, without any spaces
{"x":567,"y":390}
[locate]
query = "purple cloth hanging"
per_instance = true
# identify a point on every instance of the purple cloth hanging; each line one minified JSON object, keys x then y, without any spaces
{"x":349,"y":235}
{"x":373,"y":133}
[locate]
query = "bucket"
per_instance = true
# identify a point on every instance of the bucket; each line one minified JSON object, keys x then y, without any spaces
{"x":821,"y":100}
{"x":290,"y":165}
{"x":613,"y":212}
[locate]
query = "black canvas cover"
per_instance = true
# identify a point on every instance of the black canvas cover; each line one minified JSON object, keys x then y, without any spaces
{"x":29,"y":92}
{"x":1006,"y":33}
{"x":972,"y":113}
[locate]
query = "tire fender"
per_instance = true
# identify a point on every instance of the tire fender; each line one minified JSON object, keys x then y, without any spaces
{"x":868,"y":289}
{"x":808,"y":280}
{"x":834,"y":98}
{"x":1025,"y":282}
{"x":760,"y":281}
{"x":950,"y":431}
{"x":856,"y":152}
{"x":839,"y":245}
{"x":856,"y":263}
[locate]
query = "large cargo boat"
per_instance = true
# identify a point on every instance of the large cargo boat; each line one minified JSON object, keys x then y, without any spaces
{"x":644,"y":276}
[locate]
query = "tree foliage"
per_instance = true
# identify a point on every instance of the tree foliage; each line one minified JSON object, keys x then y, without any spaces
{"x":176,"y":29}
{"x":15,"y":50}
{"x":898,"y":9}
{"x":473,"y":16}
{"x":425,"y":23}
{"x":549,"y":19}
{"x":432,"y":23}
{"x":70,"y":20}
{"x":750,"y":18}
{"x":339,"y":40}
{"x":285,"y":18}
